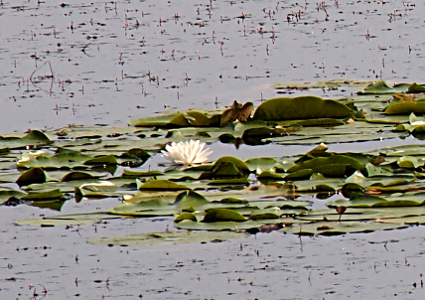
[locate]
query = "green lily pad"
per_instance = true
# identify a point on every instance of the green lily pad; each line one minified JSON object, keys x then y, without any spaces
{"x":410,"y":162}
{"x":30,"y":140}
{"x":135,"y":173}
{"x":227,"y":166}
{"x":33,"y":175}
{"x":189,"y":200}
{"x":102,"y":160}
{"x":70,"y":219}
{"x":223,"y":214}
{"x":162,"y":185}
{"x":377,"y":171}
{"x":383,"y":87}
{"x":230,"y":182}
{"x":98,"y":189}
{"x":302,"y":107}
{"x":339,"y":228}
{"x":174,"y":237}
{"x":7,"y":192}
{"x":44,"y":195}
{"x":77,"y":175}
{"x":47,"y":160}
{"x":405,"y":108}
{"x":186,"y":216}
{"x":325,"y":164}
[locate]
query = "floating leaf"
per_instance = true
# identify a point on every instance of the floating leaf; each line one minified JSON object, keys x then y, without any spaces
{"x":361,"y":200}
{"x":199,"y":119}
{"x":32,"y":139}
{"x":263,"y":132}
{"x":162,"y":185}
{"x":61,"y":159}
{"x":186,"y":216}
{"x":223,"y":214}
{"x":99,"y":189}
{"x":136,"y":152}
{"x":239,"y":164}
{"x":159,"y":121}
{"x":77,"y":175}
{"x":300,"y":174}
{"x":33,"y":175}
{"x":174,"y":237}
{"x":383,"y":87}
{"x":70,"y":219}
{"x":44,"y":195}
{"x":405,"y":108}
{"x":227,"y":167}
{"x":189,"y":200}
{"x":262,"y":163}
{"x":102,"y":160}
{"x":321,"y":122}
{"x":6,"y":193}
{"x":269,"y":175}
{"x":410,"y":162}
{"x":226,"y":138}
{"x":416,"y":88}
{"x":339,"y":228}
{"x":302,"y":107}
{"x":248,"y":225}
{"x":334,"y":164}
{"x":374,"y":171}
{"x":149,"y":208}
{"x":135,"y":173}
{"x":230,"y":182}
{"x":264,"y":216}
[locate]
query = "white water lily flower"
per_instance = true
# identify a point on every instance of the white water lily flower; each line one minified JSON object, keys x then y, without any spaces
{"x":186,"y":153}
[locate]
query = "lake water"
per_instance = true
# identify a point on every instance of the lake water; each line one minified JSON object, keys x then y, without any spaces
{"x":113,"y":61}
{"x":104,"y":62}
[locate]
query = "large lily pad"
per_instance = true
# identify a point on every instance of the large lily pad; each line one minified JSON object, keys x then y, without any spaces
{"x":383,"y":87}
{"x":34,"y":138}
{"x":405,"y":108}
{"x":302,"y":107}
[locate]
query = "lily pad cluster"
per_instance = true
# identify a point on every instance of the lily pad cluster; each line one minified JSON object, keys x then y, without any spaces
{"x":363,"y":192}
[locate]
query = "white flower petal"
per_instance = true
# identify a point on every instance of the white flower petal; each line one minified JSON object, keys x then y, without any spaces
{"x":186,"y":153}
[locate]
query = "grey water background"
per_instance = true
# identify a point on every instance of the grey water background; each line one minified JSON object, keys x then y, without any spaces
{"x":115,"y":60}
